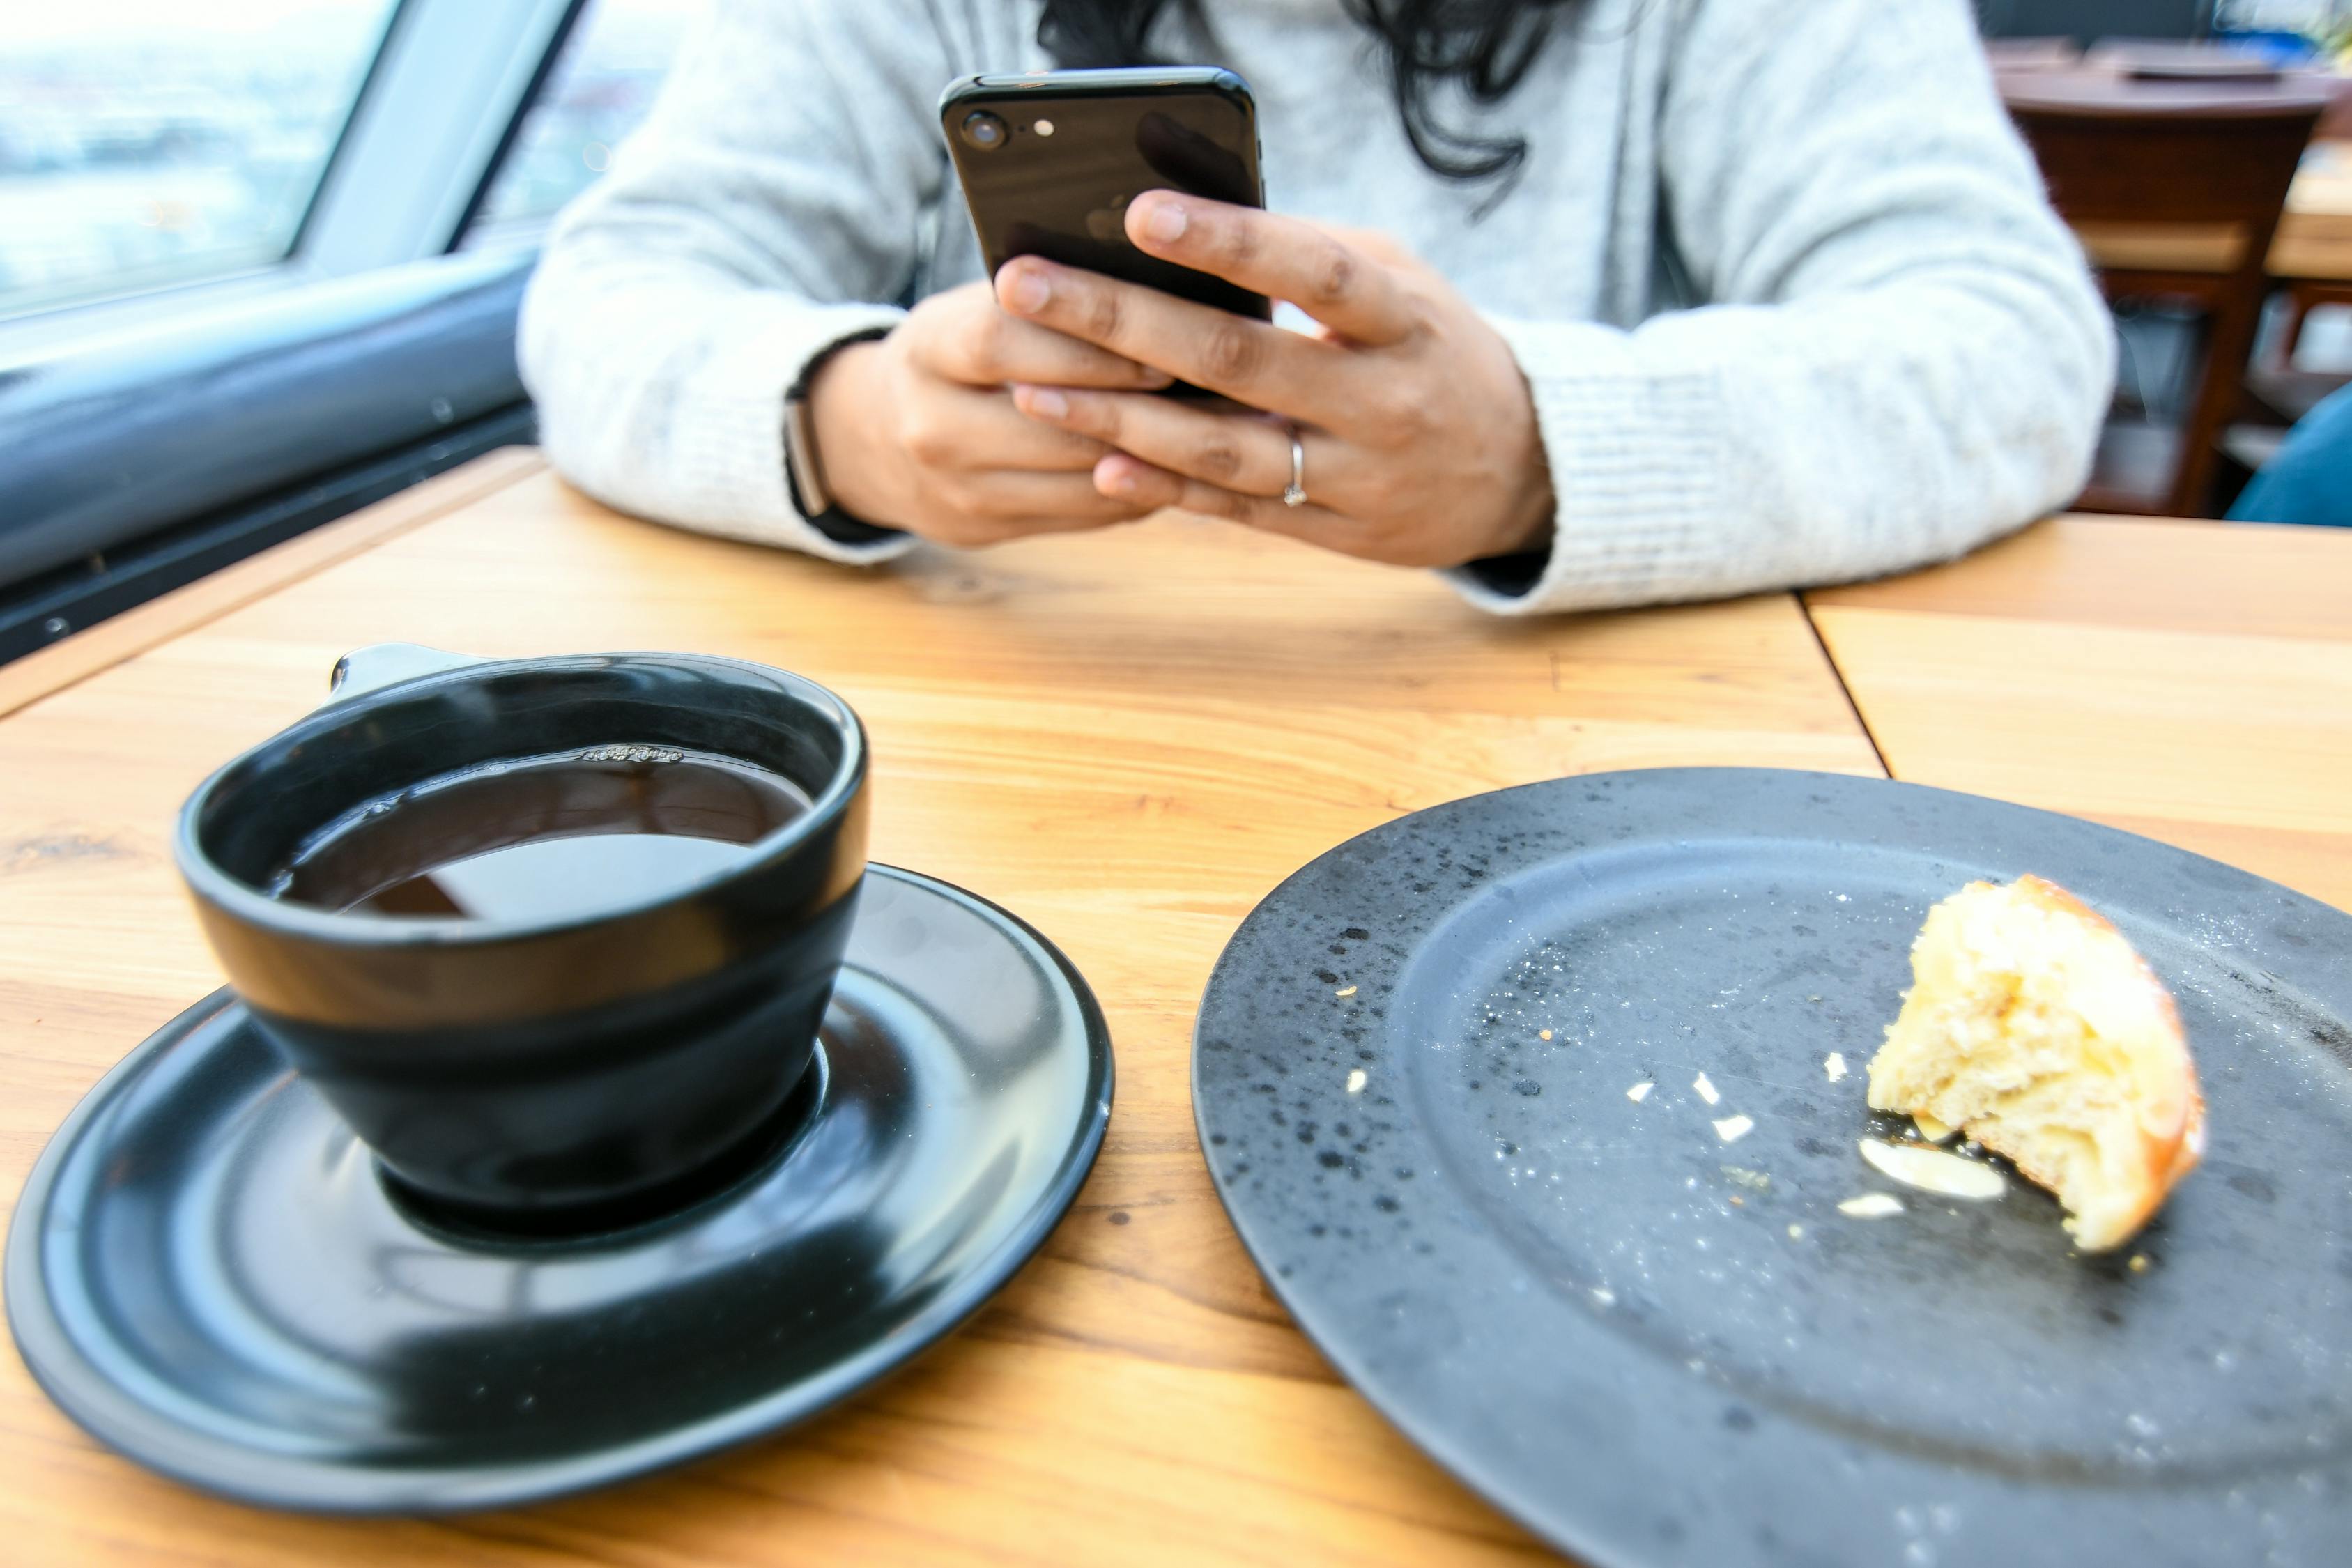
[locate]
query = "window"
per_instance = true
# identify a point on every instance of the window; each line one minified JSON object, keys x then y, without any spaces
{"x":145,"y":143}
{"x":2321,"y":21}
{"x":597,"y":92}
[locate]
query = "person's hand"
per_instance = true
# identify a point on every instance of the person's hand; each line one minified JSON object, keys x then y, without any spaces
{"x":1419,"y":432}
{"x":916,"y":430}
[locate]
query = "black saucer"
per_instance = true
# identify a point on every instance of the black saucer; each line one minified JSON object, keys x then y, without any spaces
{"x":207,"y":1273}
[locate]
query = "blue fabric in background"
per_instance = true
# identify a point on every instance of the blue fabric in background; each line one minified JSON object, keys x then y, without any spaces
{"x":2281,"y":48}
{"x":2310,"y":480}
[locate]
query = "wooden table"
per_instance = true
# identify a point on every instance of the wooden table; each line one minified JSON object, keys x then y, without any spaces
{"x":1129,"y":739}
{"x":2311,"y":255}
{"x":2314,"y":233}
{"x":2191,"y":681}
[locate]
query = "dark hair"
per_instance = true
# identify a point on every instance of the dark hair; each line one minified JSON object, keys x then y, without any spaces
{"x":1485,"y":46}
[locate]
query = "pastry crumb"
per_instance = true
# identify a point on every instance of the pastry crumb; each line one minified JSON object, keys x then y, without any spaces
{"x":1933,"y":1170}
{"x":1345,"y":990}
{"x":1928,"y":1127}
{"x":1640,"y":1091}
{"x":1706,"y":1087}
{"x":1742,"y":1176}
{"x":1543,"y":1034}
{"x":1356,"y":1080}
{"x":2139,"y":1263}
{"x":1732,"y":1129}
{"x":1834,"y":1064}
{"x":1796,"y":1233}
{"x":1872,"y":1206}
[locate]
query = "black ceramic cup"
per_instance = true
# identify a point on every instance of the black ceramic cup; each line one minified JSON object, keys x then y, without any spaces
{"x":563,"y":1073}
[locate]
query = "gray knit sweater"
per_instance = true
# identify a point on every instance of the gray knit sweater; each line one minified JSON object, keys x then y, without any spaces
{"x":1778,"y":272}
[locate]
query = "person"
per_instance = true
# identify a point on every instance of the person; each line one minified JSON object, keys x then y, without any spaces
{"x":2309,"y":479}
{"x":1613,"y":301}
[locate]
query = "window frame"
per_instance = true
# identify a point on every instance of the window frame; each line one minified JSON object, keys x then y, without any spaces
{"x":472,"y":231}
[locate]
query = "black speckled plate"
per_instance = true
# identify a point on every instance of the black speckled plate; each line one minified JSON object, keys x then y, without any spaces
{"x":1657,"y":1347}
{"x":206,"y":1272}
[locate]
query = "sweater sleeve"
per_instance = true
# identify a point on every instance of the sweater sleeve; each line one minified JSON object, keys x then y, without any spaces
{"x":776,"y":194}
{"x":1902,"y":354}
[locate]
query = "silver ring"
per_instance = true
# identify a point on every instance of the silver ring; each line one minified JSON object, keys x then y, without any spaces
{"x":1294,"y":493}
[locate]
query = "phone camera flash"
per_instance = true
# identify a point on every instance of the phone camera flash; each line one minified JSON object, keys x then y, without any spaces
{"x":1044,"y":127}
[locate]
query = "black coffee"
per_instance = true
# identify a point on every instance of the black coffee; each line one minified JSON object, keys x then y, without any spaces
{"x":536,"y":838}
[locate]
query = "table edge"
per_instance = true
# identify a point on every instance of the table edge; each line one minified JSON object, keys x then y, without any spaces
{"x":48,"y":670}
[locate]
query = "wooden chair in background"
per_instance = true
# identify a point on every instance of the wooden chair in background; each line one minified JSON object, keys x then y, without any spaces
{"x":2176,"y":196}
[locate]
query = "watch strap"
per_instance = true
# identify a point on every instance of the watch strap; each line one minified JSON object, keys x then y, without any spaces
{"x":801,"y":464}
{"x":804,"y":465}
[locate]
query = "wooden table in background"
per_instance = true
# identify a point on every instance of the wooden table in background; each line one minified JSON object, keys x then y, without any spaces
{"x":1129,"y":739}
{"x":2314,"y":233}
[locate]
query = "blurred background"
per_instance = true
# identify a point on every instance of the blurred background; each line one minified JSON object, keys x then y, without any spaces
{"x":259,"y":260}
{"x":145,"y":143}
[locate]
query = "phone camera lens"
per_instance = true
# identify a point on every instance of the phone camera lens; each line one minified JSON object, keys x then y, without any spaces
{"x":983,"y":131}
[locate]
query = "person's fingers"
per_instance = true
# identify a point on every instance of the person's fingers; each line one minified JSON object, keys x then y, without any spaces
{"x":1329,"y":277}
{"x":972,"y":431}
{"x":1070,"y":497}
{"x":983,"y":346}
{"x":1004,"y":505}
{"x":1239,"y":452}
{"x":1377,"y":243}
{"x":1250,"y":361}
{"x":1139,"y":483}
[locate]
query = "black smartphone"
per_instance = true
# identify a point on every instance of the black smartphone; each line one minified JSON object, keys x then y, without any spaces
{"x":1049,"y":161}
